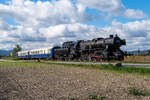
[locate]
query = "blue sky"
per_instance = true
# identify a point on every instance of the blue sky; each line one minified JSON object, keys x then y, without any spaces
{"x":38,"y":24}
{"x":133,"y":4}
{"x":138,"y":4}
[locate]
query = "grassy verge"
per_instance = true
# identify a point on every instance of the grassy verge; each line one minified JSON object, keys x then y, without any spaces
{"x":109,"y":67}
{"x":19,"y":64}
{"x":9,"y":58}
{"x":113,"y":68}
{"x":134,"y":62}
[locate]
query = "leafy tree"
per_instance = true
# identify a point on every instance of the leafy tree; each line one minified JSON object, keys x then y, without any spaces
{"x":16,"y":49}
{"x":138,"y":51}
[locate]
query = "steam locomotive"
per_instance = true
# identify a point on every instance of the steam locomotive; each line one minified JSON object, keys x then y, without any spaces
{"x":95,"y":49}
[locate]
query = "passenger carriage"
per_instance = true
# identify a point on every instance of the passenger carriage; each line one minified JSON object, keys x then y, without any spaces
{"x":36,"y":53}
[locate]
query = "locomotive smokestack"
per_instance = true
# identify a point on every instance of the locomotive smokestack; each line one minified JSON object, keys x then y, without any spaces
{"x":111,"y":36}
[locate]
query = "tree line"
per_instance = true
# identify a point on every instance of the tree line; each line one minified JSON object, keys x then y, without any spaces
{"x":15,"y":50}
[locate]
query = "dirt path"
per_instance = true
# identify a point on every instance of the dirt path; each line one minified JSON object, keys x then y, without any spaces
{"x":55,"y":82}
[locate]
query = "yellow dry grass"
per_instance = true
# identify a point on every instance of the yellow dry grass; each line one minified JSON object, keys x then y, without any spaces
{"x":137,"y":58}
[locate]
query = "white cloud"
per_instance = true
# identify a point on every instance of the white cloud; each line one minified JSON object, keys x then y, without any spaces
{"x":136,"y":33}
{"x":29,"y":13}
{"x":113,"y":8}
{"x":131,"y":13}
{"x":76,"y":31}
{"x":103,"y":5}
{"x":31,"y":16}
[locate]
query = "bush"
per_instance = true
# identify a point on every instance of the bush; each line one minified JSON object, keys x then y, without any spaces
{"x":94,"y":97}
{"x":137,"y":92}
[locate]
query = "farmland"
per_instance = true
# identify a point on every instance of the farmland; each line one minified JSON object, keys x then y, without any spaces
{"x":42,"y":81}
{"x":138,"y":58}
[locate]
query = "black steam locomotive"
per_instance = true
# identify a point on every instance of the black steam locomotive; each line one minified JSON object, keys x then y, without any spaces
{"x":96,"y":49}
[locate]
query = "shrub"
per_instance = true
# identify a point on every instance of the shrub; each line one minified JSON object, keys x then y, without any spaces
{"x":137,"y":92}
{"x":94,"y":97}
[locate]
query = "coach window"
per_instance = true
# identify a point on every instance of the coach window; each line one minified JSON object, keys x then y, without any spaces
{"x":46,"y":51}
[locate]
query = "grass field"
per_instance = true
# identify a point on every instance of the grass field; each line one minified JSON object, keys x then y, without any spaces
{"x":42,"y":81}
{"x":138,"y":58}
{"x":9,"y":58}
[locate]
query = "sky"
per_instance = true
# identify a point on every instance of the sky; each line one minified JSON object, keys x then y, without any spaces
{"x":37,"y":24}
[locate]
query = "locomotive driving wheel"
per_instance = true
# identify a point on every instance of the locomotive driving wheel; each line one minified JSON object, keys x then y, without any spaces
{"x":70,"y":57}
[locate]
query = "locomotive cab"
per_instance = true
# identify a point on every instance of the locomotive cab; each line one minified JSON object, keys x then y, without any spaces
{"x":68,"y":44}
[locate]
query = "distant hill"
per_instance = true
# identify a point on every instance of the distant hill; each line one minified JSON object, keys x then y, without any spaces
{"x":135,"y":52}
{"x":5,"y":52}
